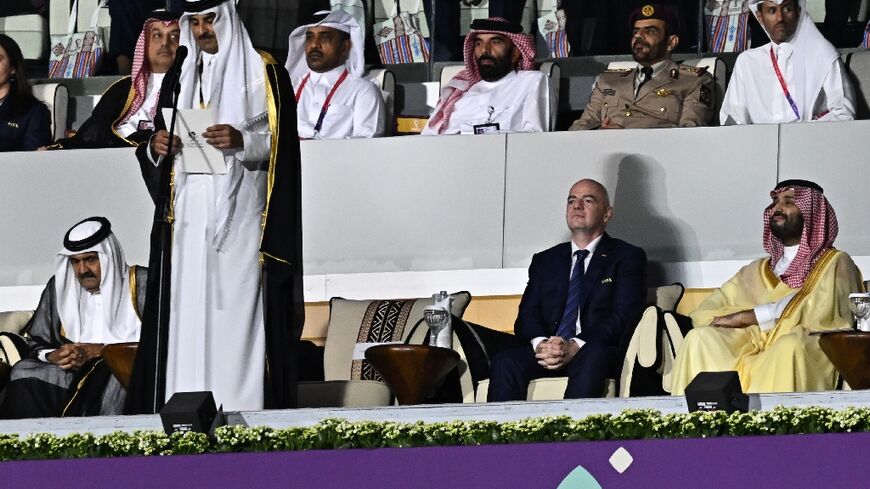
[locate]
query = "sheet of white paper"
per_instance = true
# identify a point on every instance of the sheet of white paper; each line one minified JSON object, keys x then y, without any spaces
{"x":197,"y":156}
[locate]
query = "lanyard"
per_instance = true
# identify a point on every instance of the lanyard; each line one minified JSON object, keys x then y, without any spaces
{"x":783,"y":84}
{"x":326,"y":102}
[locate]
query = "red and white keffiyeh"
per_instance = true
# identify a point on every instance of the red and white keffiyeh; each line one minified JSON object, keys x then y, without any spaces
{"x":461,"y":83}
{"x":820,"y":231}
{"x":142,"y":70}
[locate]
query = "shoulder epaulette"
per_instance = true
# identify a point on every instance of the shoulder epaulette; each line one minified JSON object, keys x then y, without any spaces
{"x":697,"y":70}
{"x":618,"y":70}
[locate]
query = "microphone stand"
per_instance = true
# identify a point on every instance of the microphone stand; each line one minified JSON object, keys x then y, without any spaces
{"x":163,"y":219}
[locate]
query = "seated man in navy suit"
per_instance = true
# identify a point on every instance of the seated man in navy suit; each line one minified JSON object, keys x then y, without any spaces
{"x":581,"y":299}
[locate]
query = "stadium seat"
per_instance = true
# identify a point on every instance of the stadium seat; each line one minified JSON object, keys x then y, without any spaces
{"x":716,"y":67}
{"x":449,"y":72}
{"x":386,"y":81}
{"x":554,"y":73}
{"x":56,"y":97}
{"x":858,"y":66}
{"x":30,"y":32}
{"x":348,"y":379}
{"x":650,"y":347}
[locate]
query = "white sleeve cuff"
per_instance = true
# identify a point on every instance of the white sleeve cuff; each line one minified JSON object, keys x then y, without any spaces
{"x":767,"y":314}
{"x":148,"y":152}
{"x":579,"y":342}
{"x":256,"y":146}
{"x":43,"y":355}
{"x":537,"y":341}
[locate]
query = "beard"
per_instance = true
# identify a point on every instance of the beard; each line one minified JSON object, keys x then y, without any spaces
{"x":652,"y":53}
{"x":789,"y":229}
{"x":495,"y":71}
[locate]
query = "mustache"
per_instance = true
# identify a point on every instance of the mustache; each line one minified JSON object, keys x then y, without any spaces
{"x":487,"y":56}
{"x":314,"y":51}
{"x":205,"y":37}
{"x":87,"y":275}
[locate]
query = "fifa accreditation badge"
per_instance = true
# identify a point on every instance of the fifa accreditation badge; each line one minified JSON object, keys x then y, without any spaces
{"x":489,"y":128}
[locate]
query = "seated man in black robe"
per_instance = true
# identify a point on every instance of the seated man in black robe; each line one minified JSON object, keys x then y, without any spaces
{"x":93,"y":299}
{"x":126,"y":112}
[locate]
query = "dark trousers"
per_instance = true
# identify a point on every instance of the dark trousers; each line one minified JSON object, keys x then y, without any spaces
{"x":511,"y":371}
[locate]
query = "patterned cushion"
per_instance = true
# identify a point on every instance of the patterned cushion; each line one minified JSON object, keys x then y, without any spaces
{"x":373,"y":321}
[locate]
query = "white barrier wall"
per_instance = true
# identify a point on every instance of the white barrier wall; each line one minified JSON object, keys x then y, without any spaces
{"x":411,"y":215}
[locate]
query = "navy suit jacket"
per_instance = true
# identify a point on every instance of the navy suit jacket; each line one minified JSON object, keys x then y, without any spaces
{"x":27,"y":131}
{"x":612,"y":296}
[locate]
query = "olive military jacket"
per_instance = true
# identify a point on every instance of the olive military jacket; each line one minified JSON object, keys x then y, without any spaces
{"x":677,"y":96}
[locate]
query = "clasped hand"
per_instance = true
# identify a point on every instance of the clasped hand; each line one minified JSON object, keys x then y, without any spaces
{"x":555,"y":352}
{"x":74,"y":355}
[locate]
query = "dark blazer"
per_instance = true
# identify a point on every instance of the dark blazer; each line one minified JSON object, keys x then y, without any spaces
{"x":27,"y":131}
{"x":613,"y":294}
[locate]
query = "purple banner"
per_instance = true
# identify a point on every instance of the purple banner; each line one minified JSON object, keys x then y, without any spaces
{"x":832,"y":460}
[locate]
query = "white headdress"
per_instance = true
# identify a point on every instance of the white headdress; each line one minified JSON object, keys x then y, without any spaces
{"x":296,"y":64}
{"x":238,"y":91}
{"x":119,"y":316}
{"x":811,"y":58}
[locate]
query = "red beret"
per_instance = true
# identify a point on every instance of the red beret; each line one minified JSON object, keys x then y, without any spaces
{"x":656,"y":11}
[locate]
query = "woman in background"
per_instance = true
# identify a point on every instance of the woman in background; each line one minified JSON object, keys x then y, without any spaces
{"x":24,"y":120}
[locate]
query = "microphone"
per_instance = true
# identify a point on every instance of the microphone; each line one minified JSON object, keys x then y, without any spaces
{"x":180,"y":55}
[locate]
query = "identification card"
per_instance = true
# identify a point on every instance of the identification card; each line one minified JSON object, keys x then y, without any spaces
{"x":145,"y":125}
{"x":489,"y":128}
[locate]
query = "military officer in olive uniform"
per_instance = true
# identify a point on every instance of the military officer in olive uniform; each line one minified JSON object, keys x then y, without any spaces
{"x":659,"y":92}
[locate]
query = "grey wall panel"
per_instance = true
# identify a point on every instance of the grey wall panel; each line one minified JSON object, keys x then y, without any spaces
{"x":682,"y":194}
{"x":834,"y":155}
{"x":43,"y":194}
{"x":403,"y":204}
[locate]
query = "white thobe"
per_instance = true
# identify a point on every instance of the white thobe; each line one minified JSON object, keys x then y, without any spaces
{"x":143,"y":115}
{"x":519,"y":102}
{"x":355,"y":111}
{"x":94,"y":330}
{"x":216,"y":336}
{"x":755,"y":96}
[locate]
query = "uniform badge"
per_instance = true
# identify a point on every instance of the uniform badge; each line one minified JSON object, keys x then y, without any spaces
{"x":648,"y":11}
{"x":705,"y":97}
{"x":609,"y":91}
{"x":661,"y":92}
{"x":674,"y":74}
{"x":12,"y":124}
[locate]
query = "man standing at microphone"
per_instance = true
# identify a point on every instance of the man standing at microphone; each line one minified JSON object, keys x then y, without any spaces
{"x":235,"y":294}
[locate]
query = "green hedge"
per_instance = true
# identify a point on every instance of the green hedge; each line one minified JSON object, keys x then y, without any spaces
{"x":338,"y":433}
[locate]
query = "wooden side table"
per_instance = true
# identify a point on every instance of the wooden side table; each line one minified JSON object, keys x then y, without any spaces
{"x":412,"y":371}
{"x":120,"y":357}
{"x":849,"y":351}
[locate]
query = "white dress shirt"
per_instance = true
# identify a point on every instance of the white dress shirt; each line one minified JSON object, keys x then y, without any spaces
{"x":574,"y":249}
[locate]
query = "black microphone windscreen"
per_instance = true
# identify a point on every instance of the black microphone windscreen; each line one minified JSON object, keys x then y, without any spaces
{"x":180,"y":54}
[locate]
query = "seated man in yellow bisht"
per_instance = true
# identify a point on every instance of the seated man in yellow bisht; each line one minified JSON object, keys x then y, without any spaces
{"x":758,"y":323}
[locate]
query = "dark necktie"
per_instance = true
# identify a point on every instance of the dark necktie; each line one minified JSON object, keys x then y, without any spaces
{"x":568,"y":325}
{"x":647,"y":72}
